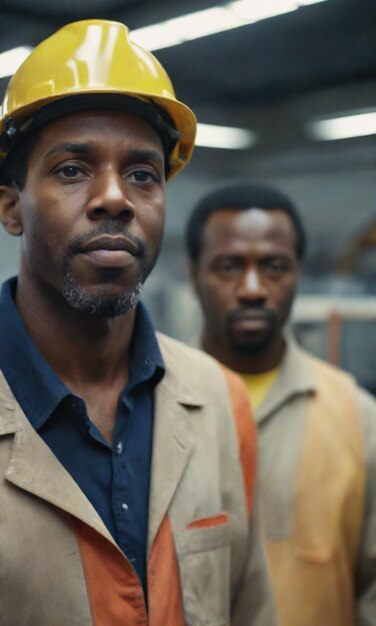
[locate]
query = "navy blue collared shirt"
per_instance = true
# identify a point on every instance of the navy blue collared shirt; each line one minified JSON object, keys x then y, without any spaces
{"x":115,"y":479}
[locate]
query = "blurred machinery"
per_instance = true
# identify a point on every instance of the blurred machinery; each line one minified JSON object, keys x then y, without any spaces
{"x":360,"y":256}
{"x":341,"y":330}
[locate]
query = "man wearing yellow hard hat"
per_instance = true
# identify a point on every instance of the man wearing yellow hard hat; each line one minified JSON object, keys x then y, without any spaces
{"x":127,"y":459}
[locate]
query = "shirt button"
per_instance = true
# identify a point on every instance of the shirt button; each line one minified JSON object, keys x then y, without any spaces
{"x":119,"y":448}
{"x":124,"y":506}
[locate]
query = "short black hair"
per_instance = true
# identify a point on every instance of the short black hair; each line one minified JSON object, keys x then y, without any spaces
{"x":240,"y":196}
{"x":13,"y":170}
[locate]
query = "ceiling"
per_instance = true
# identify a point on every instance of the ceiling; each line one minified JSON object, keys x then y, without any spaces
{"x":271,"y":77}
{"x":332,"y":42}
{"x":320,"y":45}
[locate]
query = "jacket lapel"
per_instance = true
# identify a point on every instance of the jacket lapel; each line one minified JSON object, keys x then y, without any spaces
{"x":173,"y":439}
{"x":34,"y":468}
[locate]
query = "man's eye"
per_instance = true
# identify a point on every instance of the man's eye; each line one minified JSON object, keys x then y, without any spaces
{"x":70,"y":171}
{"x":277,"y":267}
{"x":225,"y":267}
{"x":143,"y":176}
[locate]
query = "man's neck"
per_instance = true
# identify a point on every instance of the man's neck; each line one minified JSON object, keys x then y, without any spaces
{"x":81,"y":349}
{"x":257,"y":362}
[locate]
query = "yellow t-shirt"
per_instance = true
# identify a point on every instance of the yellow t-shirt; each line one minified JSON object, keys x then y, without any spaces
{"x":258,"y":385}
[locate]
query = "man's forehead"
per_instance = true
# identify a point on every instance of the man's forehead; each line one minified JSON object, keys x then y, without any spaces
{"x":249,"y":223}
{"x":87,"y":126}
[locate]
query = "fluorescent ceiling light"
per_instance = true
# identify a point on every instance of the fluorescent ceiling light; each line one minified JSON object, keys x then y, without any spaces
{"x":250,"y":11}
{"x":356,"y":125}
{"x":304,"y":3}
{"x":209,"y":21}
{"x":11,"y":60}
{"x":203,"y":23}
{"x":210,"y":136}
{"x":192,"y":26}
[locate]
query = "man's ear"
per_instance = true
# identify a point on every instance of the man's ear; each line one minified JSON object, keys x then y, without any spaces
{"x":10,"y":215}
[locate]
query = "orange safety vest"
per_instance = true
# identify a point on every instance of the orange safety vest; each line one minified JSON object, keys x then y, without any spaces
{"x":313,"y":569}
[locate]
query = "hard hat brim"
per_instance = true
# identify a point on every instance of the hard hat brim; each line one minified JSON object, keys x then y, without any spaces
{"x":182,"y":118}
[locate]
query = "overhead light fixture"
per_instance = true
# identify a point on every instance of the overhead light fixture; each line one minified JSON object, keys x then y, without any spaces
{"x":185,"y":28}
{"x":225,"y":137}
{"x":210,"y":21}
{"x":11,"y":60}
{"x":250,"y":11}
{"x":354,"y":125}
{"x":304,"y":3}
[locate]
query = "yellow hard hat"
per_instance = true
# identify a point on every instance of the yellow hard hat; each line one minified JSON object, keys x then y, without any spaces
{"x":96,"y":57}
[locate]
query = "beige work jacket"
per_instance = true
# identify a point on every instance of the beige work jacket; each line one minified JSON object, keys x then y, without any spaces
{"x":197,"y":516}
{"x":317,"y":437}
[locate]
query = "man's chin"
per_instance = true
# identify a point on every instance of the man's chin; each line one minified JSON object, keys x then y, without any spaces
{"x":250,"y":345}
{"x":101,"y":304}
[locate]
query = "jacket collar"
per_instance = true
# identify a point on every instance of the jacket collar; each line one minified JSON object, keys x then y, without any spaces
{"x":173,"y":439}
{"x":180,"y":379}
{"x":295,"y":378}
{"x":9,"y":417}
{"x":33,"y":467}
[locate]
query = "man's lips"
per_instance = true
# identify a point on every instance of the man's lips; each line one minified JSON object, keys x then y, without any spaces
{"x":110,"y":251}
{"x":111,"y":244}
{"x":251,"y":321}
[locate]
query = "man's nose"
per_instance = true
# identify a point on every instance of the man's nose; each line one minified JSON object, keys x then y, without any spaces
{"x":110,"y":197}
{"x":252,"y":287}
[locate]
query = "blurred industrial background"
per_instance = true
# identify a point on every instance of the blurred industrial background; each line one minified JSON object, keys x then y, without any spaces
{"x":285,"y":72}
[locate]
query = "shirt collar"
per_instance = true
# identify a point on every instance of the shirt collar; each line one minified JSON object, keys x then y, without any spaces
{"x":146,"y":362}
{"x":295,"y":379}
{"x":35,"y":385}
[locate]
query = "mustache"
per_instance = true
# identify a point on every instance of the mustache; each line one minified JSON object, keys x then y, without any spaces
{"x":107,"y":228}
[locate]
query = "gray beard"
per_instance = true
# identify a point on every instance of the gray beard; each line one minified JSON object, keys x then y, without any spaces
{"x":99,"y":306}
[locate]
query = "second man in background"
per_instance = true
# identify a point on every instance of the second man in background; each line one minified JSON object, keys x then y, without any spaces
{"x":317,"y":428}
